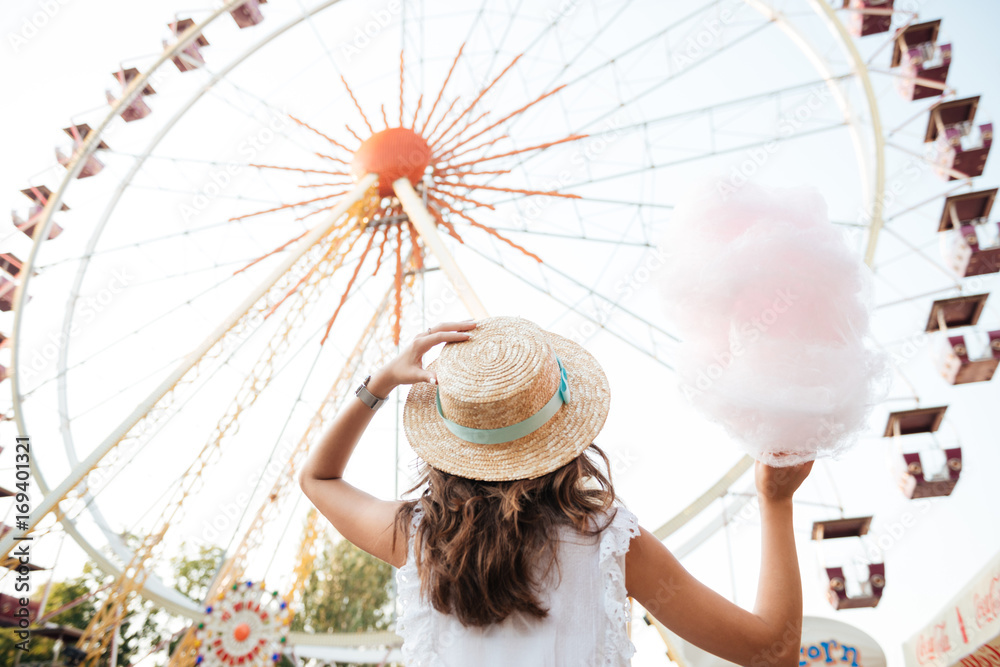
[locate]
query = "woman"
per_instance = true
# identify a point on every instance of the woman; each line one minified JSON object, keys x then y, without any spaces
{"x":517,"y":552}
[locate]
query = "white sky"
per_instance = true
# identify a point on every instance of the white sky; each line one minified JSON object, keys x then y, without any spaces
{"x":664,"y":454}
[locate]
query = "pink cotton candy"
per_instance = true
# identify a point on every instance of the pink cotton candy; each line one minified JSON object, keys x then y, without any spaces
{"x":773,"y":306}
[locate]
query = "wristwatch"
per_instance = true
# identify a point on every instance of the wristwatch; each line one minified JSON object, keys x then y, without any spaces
{"x":368,"y":398}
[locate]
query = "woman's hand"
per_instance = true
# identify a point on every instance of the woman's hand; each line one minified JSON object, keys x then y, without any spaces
{"x":779,"y":484}
{"x":408,"y":366}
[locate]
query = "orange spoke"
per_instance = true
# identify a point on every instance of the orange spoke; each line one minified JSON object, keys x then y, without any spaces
{"x":284,"y":206}
{"x":397,"y":310}
{"x":446,"y":172}
{"x":446,"y":224}
{"x":443,"y":117}
{"x":298,"y":169}
{"x":483,"y":92}
{"x":356,"y":105}
{"x":489,"y":230}
{"x":355,"y":134}
{"x":505,"y":118}
{"x":441,"y":92}
{"x":417,"y":261}
{"x":451,"y":154}
{"x":465,"y":127}
{"x":320,"y":185}
{"x":385,"y":118}
{"x":276,"y":250}
{"x":543,"y":193}
{"x":313,"y":129}
{"x":400,"y":88}
{"x":381,"y":248}
{"x":539,"y":147}
{"x":325,"y":208}
{"x":333,"y":246}
{"x":467,"y":200}
{"x":420,"y":102}
{"x":347,"y":290}
{"x":334,"y":159}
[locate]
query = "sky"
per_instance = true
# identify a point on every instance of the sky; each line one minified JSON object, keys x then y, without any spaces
{"x":56,"y":58}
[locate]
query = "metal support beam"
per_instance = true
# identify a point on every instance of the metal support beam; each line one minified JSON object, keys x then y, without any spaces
{"x":424,"y":222}
{"x":56,"y":495}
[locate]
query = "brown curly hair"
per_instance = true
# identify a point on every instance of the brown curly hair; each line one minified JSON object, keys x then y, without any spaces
{"x":483,"y":547}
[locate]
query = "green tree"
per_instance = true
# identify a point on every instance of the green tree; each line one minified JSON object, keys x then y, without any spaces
{"x":348,"y":590}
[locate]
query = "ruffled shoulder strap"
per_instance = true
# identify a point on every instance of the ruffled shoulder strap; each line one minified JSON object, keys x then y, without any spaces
{"x":615,"y":539}
{"x":414,"y":624}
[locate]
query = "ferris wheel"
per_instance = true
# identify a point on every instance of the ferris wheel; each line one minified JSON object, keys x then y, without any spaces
{"x":269,"y":205}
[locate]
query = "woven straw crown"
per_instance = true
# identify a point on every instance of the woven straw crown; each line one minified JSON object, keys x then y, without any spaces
{"x":506,"y":372}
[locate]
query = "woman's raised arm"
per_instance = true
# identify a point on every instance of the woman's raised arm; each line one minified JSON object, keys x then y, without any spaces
{"x":767,"y":637}
{"x":366,"y":521}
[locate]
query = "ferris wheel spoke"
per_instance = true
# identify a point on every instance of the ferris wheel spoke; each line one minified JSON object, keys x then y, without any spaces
{"x":703,"y":156}
{"x":572,"y":237}
{"x":657,"y":336}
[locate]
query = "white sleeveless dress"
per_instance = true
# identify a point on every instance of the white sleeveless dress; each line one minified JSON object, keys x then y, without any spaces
{"x":585,"y":627}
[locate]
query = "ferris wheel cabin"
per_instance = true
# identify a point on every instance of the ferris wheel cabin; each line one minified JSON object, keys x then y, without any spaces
{"x":870,"y":587}
{"x":923,"y":476}
{"x":925,"y":64}
{"x":248,"y":14}
{"x":962,"y":147}
{"x":39,"y":195}
{"x":92,"y":165}
{"x":975,"y":245}
{"x":970,"y":357}
{"x":189,"y":58}
{"x":869,"y":17}
{"x":137,"y":108}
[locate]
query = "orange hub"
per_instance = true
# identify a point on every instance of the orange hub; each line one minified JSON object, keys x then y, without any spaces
{"x":241,"y":632}
{"x":392,"y":154}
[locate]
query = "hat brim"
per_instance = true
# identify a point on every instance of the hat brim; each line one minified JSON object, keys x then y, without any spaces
{"x":557,"y":442}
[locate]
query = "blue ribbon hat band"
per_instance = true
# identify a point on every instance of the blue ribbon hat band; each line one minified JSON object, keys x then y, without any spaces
{"x":496,"y":436}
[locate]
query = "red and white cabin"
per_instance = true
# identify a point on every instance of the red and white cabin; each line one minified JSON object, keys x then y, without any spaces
{"x":924,"y":64}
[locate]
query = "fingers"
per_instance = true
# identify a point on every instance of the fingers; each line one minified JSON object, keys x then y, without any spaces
{"x":451,"y":326}
{"x":427,"y":341}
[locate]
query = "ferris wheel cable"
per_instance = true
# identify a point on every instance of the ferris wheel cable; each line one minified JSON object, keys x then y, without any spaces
{"x":588,"y":289}
{"x":600,"y":324}
{"x":935,"y":198}
{"x":223,"y":364}
{"x":151,"y":240}
{"x":703,"y":156}
{"x":882,"y":264}
{"x":910,"y":299}
{"x":72,"y":480}
{"x":87,"y":148}
{"x":950,"y":171}
{"x":295,"y":404}
{"x":922,"y":255}
{"x":90,"y":497}
{"x":139,"y":329}
{"x":571,"y":237}
{"x":281,"y":538}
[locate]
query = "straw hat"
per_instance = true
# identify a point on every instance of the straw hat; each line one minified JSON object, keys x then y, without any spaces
{"x":512,"y":402}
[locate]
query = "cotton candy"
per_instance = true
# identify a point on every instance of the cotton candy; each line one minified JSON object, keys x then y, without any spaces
{"x":772,"y":305}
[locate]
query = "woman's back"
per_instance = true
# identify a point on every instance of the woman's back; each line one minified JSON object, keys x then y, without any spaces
{"x":585,"y":597}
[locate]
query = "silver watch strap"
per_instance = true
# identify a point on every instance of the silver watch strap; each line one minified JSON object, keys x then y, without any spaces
{"x":368,"y":398}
